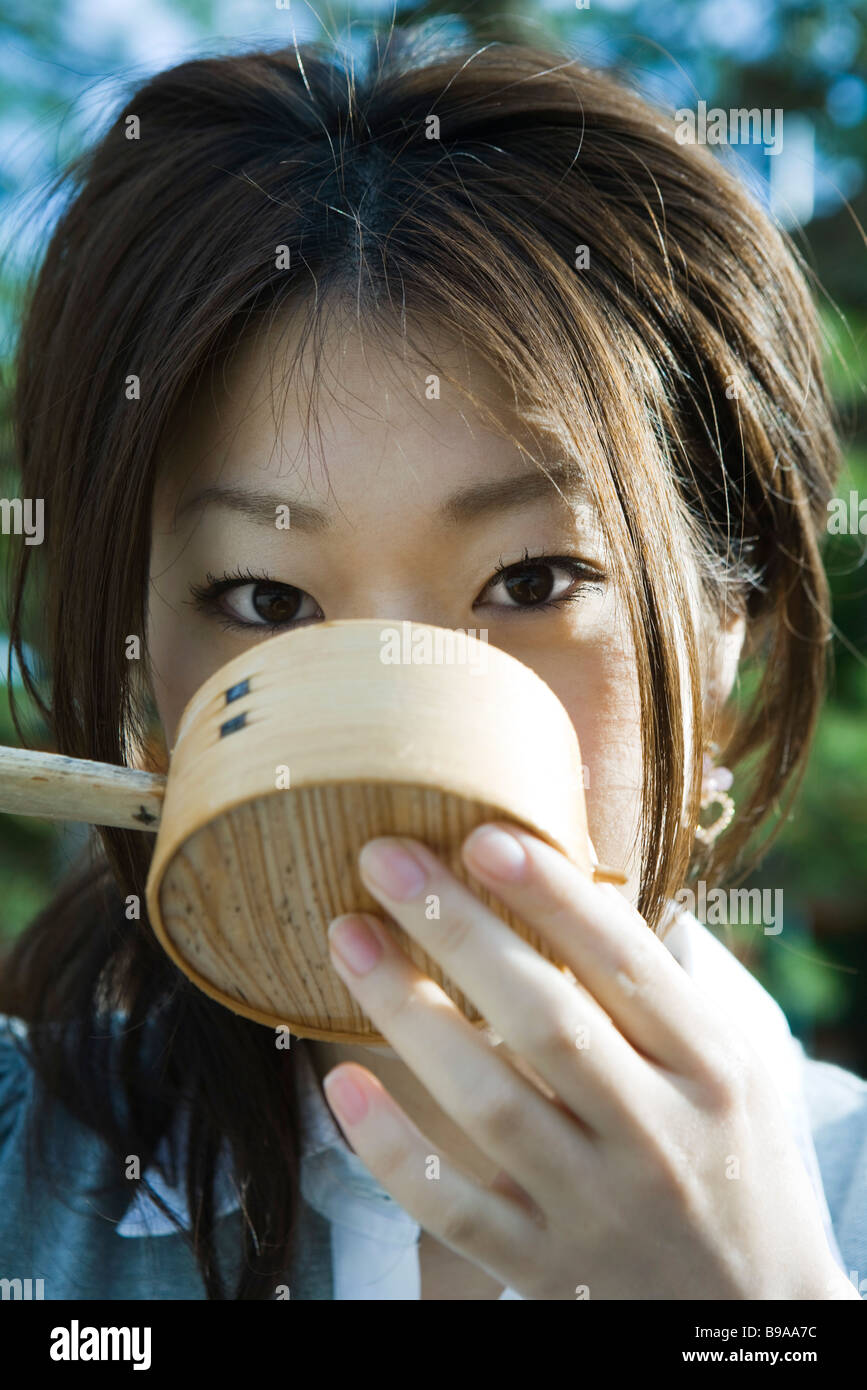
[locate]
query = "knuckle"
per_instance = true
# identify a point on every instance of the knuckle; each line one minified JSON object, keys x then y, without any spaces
{"x":666,"y":1167}
{"x":398,"y":1005}
{"x":670,"y":1178}
{"x":726,"y":1079}
{"x":460,"y":1226}
{"x":452,"y":930}
{"x":634,"y":969}
{"x":551,"y":1037}
{"x":559,"y":907}
{"x":721,"y":1095}
{"x":394,"y":1161}
{"x":499,"y":1118}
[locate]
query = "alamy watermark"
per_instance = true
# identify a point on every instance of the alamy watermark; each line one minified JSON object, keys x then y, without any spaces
{"x":77,"y":1343}
{"x":847,"y":516}
{"x":412,"y":645}
{"x":17,"y":517}
{"x":718,"y":907}
{"x":23,"y":1289}
{"x":739,"y":126}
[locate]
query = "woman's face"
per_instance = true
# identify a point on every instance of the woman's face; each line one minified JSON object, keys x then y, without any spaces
{"x":402,"y":507}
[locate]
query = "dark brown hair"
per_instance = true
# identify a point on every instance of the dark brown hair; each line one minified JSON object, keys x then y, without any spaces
{"x":681,"y":366}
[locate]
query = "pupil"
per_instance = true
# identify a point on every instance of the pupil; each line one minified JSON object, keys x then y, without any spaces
{"x":531,"y":585}
{"x":276,"y":604}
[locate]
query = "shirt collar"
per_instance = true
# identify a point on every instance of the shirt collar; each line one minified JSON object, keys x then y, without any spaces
{"x":334,"y":1181}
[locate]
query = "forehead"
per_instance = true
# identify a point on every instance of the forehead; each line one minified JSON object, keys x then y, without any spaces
{"x":347,"y":412}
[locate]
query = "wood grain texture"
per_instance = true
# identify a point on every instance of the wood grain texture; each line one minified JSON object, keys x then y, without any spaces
{"x":247,"y":874}
{"x":54,"y":787}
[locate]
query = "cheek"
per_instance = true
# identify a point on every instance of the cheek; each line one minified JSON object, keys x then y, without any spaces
{"x":597,"y":685}
{"x":185,"y":648}
{"x":181,"y":658}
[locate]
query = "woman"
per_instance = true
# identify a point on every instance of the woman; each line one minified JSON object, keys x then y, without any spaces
{"x":574,"y":399}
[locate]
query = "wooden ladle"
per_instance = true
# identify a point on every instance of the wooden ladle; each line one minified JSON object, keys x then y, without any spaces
{"x":291,"y":756}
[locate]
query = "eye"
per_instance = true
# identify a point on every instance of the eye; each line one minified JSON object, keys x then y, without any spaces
{"x":249,"y":600}
{"x":533,"y":582}
{"x":244,"y":600}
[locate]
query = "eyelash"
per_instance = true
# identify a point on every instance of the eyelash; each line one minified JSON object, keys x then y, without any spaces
{"x":205,"y":597}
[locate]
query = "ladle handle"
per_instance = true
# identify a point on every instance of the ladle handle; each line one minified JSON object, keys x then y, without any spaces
{"x":33,"y":783}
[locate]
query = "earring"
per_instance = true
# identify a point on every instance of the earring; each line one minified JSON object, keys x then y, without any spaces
{"x":715,"y":783}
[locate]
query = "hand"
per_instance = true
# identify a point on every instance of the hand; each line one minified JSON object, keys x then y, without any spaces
{"x":658,"y":1165}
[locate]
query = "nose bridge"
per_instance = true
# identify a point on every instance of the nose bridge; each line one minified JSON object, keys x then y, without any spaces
{"x":393,"y":572}
{"x":394,"y":603}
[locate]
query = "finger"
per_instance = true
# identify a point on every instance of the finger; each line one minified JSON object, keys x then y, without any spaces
{"x":503,"y":1183}
{"x":542,"y":1147}
{"x":607,"y":944}
{"x":485,"y":1225}
{"x":542,"y":1015}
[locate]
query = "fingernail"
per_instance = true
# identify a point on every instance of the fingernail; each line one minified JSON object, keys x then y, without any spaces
{"x":496,"y":851}
{"x":393,"y":869}
{"x":346,"y":1096}
{"x":355,"y":943}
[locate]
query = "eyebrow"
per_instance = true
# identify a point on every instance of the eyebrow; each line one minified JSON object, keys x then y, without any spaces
{"x":466,"y":505}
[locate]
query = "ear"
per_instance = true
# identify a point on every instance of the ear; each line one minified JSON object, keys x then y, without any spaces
{"x":726,"y":646}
